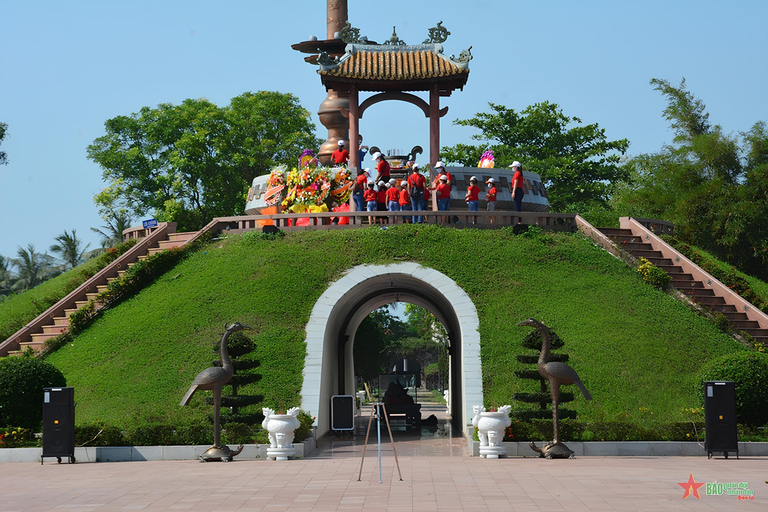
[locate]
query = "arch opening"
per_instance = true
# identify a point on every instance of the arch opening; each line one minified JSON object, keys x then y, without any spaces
{"x":329,"y":366}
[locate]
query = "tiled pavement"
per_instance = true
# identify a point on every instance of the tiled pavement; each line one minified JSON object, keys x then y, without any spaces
{"x":437,"y":475}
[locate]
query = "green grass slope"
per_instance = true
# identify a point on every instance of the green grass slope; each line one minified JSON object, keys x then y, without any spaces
{"x":637,"y":349}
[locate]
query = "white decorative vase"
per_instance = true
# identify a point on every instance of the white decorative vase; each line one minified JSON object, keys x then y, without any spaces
{"x":281,"y":428}
{"x":490,"y":430}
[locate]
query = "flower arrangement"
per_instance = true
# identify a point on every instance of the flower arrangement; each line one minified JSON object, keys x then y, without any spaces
{"x":308,"y":159}
{"x":486,"y":161}
{"x":308,"y":188}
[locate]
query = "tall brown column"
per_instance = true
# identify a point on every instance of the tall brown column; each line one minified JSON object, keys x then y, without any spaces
{"x":330,"y":109}
{"x":434,"y":126}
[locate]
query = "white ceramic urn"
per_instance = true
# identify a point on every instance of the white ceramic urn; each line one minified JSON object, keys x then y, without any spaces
{"x":280,"y":428}
{"x":490,"y":430}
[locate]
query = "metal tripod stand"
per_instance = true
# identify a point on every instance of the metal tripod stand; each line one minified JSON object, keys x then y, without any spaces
{"x":377,"y":407}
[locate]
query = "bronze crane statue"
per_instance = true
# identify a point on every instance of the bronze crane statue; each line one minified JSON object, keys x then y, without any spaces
{"x":215,"y":378}
{"x":558,"y":374}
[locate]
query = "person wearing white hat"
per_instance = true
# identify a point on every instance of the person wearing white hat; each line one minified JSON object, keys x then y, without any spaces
{"x":516,"y":186}
{"x":490,"y":196}
{"x":370,"y":200}
{"x":417,"y":186}
{"x":381,"y":199}
{"x":341,"y":155}
{"x":393,"y":198}
{"x":473,"y":196}
{"x":440,"y":170}
{"x":382,"y":167}
{"x":359,"y":188}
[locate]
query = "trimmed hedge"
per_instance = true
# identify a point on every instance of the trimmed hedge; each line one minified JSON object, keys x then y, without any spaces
{"x":749,"y":371}
{"x":21,"y":391}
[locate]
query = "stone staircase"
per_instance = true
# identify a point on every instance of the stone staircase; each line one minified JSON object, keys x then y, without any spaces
{"x":697,"y":290}
{"x":56,"y":319}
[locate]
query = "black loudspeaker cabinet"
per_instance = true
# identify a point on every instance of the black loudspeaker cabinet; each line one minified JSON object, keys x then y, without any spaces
{"x":342,"y":412}
{"x":720,"y":418}
{"x":59,"y":423}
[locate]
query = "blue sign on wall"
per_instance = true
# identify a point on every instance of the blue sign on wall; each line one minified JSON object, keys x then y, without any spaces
{"x":151,"y":223}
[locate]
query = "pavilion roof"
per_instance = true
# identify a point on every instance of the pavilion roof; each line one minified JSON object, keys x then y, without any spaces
{"x":403,"y":67}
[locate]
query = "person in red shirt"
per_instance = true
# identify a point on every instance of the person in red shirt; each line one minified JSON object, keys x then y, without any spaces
{"x":417,"y":186}
{"x":443,"y":196}
{"x":440,"y":170}
{"x":490,"y":196}
{"x":393,"y":198}
{"x":473,"y":197}
{"x":370,"y":197}
{"x":382,"y":168}
{"x":404,"y":200}
{"x":359,"y":189}
{"x":516,"y":187}
{"x":381,"y":201}
{"x":341,"y":155}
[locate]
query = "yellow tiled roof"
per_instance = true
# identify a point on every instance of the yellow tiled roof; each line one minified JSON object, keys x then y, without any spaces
{"x":395,"y":65}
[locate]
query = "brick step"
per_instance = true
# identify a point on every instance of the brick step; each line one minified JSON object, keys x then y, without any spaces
{"x":708,"y":301}
{"x":684,"y":278}
{"x":660,"y":262}
{"x":80,"y":303}
{"x":181,"y":237}
{"x":34,"y":345}
{"x":91,"y":296}
{"x":745,"y":324}
{"x":69,"y":311}
{"x":55,"y":329}
{"x":690,"y":287}
{"x":672,"y":270}
{"x":615,"y":231}
{"x":700,"y":292}
{"x":635,"y":246}
{"x":61,"y":321}
{"x":625,"y":239}
{"x":757,"y":332}
{"x":40,"y":337}
{"x":103,"y":287}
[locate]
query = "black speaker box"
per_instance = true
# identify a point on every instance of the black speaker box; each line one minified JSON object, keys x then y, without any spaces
{"x":342,"y":412}
{"x":59,"y":423}
{"x":720,"y":418}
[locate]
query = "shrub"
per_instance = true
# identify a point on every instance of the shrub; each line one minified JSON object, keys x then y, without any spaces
{"x":21,"y":392}
{"x":99,"y":434}
{"x":652,"y":274}
{"x":14,"y":437}
{"x":238,"y":433}
{"x":305,"y":429}
{"x":749,"y":371}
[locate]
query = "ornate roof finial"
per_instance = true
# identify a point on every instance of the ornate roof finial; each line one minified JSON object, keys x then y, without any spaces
{"x":350,"y":34}
{"x":394,"y":40}
{"x":464,"y":57}
{"x":437,"y":34}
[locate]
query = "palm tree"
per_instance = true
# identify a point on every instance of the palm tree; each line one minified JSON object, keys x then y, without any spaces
{"x":117,"y":222}
{"x":68,"y":248}
{"x":6,"y":279}
{"x":32,"y":268}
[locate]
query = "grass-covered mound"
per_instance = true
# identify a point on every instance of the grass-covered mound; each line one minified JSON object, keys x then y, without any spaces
{"x":637,"y":350}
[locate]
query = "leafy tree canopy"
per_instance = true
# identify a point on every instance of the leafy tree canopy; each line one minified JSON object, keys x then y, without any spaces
{"x":577,"y":163}
{"x":3,"y":154}
{"x":191,"y":162}
{"x":712,"y":185}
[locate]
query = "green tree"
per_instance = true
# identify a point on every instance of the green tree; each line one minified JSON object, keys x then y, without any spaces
{"x":117,"y":221}
{"x":577,"y":163}
{"x":6,"y":279}
{"x":3,"y":154}
{"x":710,"y":184}
{"x":21,"y":394}
{"x":70,"y":249}
{"x":191,"y":162}
{"x":32,"y":268}
{"x":373,"y":340}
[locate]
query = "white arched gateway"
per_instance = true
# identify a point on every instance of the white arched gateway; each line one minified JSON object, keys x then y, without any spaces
{"x":329,"y":365}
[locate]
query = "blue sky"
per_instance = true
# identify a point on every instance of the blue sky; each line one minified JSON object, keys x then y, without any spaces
{"x":67,"y":67}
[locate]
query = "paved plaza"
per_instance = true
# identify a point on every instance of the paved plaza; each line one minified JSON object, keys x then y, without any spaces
{"x":437,"y":474}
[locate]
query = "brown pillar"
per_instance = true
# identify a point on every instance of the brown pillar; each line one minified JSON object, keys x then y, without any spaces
{"x":337,"y":16}
{"x":354,"y":129}
{"x":354,"y":146}
{"x":434,"y":127}
{"x":330,"y":109}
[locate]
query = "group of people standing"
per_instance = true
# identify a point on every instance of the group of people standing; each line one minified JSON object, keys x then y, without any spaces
{"x":387,"y":194}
